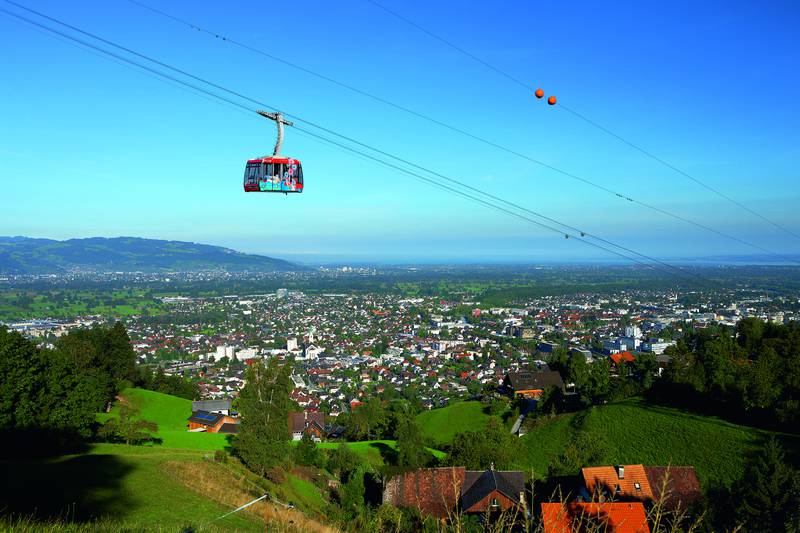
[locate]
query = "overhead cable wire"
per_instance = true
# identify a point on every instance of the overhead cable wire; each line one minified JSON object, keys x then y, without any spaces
{"x":350,"y":149}
{"x":476,"y":199}
{"x":488,"y":142}
{"x":240,"y":106}
{"x":680,"y":171}
{"x":528,"y":87}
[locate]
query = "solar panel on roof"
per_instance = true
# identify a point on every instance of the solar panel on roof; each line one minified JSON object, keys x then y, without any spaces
{"x":205,"y":416}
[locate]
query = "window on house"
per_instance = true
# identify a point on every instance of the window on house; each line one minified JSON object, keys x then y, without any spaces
{"x":637,"y":486}
{"x":494,"y":502}
{"x":617,"y":489}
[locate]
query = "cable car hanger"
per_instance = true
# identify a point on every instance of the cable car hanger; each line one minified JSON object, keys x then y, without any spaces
{"x":279,"y":122}
{"x":274,"y":173}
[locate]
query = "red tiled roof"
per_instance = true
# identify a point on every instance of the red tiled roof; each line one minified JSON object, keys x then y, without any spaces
{"x":680,"y":483}
{"x":627,"y":356}
{"x":434,"y":491}
{"x":579,"y":516}
{"x":633,"y":485}
{"x":299,"y":421}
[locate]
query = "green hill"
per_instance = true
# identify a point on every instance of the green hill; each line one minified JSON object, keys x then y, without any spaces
{"x":171,"y":414}
{"x":115,"y":487}
{"x":24,"y":255}
{"x":121,"y":484}
{"x":442,"y":424}
{"x":374,"y":452}
{"x":636,"y":432}
{"x":161,"y":487}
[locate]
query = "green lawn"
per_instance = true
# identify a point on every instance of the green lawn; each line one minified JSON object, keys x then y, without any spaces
{"x":442,"y":424}
{"x":171,"y":414}
{"x":636,"y":432}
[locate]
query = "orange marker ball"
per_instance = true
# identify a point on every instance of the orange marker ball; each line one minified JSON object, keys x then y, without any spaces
{"x":539,"y":93}
{"x":551,"y":100}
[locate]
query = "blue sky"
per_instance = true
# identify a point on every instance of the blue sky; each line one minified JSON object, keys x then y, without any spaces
{"x":91,"y":147}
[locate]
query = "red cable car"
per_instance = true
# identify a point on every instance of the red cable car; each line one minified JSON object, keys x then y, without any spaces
{"x":274,"y":173}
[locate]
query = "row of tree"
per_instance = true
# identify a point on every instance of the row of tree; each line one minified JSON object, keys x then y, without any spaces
{"x":49,"y":398}
{"x":751,"y":372}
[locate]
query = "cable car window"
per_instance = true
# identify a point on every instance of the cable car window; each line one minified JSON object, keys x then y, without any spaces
{"x":251,"y":172}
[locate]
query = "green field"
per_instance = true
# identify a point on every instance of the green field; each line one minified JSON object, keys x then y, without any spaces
{"x":442,"y":424}
{"x":636,"y":432}
{"x":171,"y":414}
{"x":69,"y":303}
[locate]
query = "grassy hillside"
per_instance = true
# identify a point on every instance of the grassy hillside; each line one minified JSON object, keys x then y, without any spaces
{"x":441,"y":425}
{"x":171,"y":414}
{"x":162,"y":487}
{"x":135,"y":489}
{"x":637,"y":432}
{"x":375,"y":452}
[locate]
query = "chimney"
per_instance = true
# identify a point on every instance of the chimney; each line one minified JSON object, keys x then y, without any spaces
{"x":621,"y":471}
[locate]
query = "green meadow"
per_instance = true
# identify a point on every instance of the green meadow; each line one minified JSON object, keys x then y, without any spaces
{"x":441,"y":425}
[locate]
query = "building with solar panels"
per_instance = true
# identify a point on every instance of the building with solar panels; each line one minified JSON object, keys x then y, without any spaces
{"x":203,"y":421}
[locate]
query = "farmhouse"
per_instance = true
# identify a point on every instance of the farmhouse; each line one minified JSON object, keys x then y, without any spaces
{"x":531,"y":384}
{"x":441,"y":492}
{"x":212,"y":422}
{"x":307,"y":423}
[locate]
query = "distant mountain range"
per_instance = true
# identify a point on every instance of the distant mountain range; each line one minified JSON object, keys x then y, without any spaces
{"x":24,"y":255}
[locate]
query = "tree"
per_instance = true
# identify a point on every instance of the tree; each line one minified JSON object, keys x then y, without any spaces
{"x":577,"y":371}
{"x":103,"y":353}
{"x":44,"y":393}
{"x":411,"y":451}
{"x":645,"y":366}
{"x":22,"y":370}
{"x":351,"y":494}
{"x":118,"y":353}
{"x":264,"y":405}
{"x":749,"y":333}
{"x":478,"y":450}
{"x":128,"y":427}
{"x":761,"y":380}
{"x":550,"y":401}
{"x":368,"y":421}
{"x":598,"y":385}
{"x":343,"y":461}
{"x":306,"y":452}
{"x":71,"y":398}
{"x":770,"y":497}
{"x":558,"y":361}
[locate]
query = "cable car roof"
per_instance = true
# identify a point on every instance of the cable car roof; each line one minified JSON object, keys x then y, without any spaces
{"x":271,"y":159}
